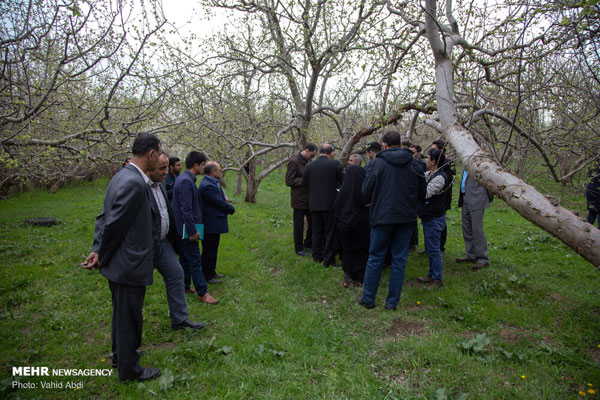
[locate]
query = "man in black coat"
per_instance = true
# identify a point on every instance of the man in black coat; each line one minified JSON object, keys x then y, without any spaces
{"x":323,"y":177}
{"x":299,"y":197}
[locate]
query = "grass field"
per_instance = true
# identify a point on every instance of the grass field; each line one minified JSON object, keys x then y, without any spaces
{"x":528,"y":327}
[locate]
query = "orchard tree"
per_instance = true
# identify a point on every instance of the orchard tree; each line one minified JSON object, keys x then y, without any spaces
{"x":76,"y":86}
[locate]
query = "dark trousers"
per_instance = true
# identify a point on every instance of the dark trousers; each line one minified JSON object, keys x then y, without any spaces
{"x":126,"y":328}
{"x":323,"y":230}
{"x":299,"y":241}
{"x":414,"y":237}
{"x":210,"y":250}
{"x":443,"y":238}
{"x":191,"y":262}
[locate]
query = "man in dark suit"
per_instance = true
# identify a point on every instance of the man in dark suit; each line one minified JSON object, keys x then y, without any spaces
{"x":187,"y":210}
{"x":299,"y":197}
{"x":174,"y":170}
{"x":323,"y":177}
{"x":124,"y":249}
{"x":168,"y":264}
{"x":474,"y":199}
{"x":215,"y":209}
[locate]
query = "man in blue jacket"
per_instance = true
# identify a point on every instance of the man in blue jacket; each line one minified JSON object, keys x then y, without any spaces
{"x":215,"y":209}
{"x":396,"y":185}
{"x":187,"y":210}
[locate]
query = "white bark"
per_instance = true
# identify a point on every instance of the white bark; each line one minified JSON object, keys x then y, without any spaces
{"x":523,"y":198}
{"x":542,"y":211}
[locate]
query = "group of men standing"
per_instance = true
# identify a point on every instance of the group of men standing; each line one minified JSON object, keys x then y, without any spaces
{"x":373,"y":211}
{"x":143,"y":225}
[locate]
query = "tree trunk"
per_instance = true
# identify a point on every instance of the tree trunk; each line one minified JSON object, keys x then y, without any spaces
{"x":238,"y":182}
{"x":251,"y":183}
{"x":523,"y":198}
{"x":546,"y":213}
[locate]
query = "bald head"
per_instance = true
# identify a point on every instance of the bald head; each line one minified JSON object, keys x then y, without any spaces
{"x":213,"y":169}
{"x":326,"y":149}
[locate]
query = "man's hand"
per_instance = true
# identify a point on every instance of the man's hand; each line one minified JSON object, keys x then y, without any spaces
{"x":91,"y":262}
{"x":195,"y":237}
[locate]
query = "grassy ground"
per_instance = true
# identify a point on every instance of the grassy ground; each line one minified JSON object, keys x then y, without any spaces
{"x":527,"y":327}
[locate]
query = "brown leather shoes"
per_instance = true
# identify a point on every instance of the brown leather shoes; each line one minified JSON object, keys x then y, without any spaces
{"x":435,"y":284}
{"x":425,"y":279}
{"x":464,"y":260}
{"x":208,"y":299}
{"x":190,"y":290}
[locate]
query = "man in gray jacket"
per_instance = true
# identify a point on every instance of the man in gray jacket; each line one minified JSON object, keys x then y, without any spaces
{"x":474,"y":199}
{"x":125,"y":245}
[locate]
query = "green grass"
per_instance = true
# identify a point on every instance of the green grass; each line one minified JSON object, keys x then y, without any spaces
{"x":286,"y":329}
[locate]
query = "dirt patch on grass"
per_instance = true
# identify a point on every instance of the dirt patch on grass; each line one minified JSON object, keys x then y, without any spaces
{"x":557,"y":297}
{"x":403,"y":327}
{"x":512,"y":334}
{"x":468,"y":334}
{"x":595,"y":353}
{"x":276,"y":271}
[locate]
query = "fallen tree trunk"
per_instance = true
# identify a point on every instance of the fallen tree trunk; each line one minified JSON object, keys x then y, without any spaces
{"x":540,"y":210}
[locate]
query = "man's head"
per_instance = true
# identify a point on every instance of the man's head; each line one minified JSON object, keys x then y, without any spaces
{"x":438,"y":144}
{"x":146,"y":150}
{"x":372,"y":149}
{"x":355,"y":159}
{"x":390,"y":139}
{"x":194,"y":162}
{"x":213,"y":169}
{"x":309,"y":151}
{"x":326,"y":149}
{"x":174,"y":165}
{"x":158,"y":174}
{"x":435,"y":159}
{"x":416,"y":149}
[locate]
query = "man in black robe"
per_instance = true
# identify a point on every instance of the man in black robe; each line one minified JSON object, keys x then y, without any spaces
{"x":352,"y":221}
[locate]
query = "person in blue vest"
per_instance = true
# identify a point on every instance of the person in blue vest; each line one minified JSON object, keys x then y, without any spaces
{"x":215,"y":209}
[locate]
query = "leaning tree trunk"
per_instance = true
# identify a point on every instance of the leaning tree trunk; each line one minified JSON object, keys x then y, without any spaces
{"x":523,"y":198}
{"x":546,"y":213}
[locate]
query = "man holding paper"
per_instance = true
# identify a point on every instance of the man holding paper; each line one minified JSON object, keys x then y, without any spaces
{"x":187,"y":210}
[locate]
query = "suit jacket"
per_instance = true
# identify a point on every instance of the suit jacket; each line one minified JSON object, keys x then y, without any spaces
{"x":169,"y":184}
{"x":214,"y":206}
{"x":172,"y":236}
{"x":187,"y":205}
{"x":124,"y":237}
{"x":322,"y":176}
{"x":476,"y":197}
{"x":293,"y":179}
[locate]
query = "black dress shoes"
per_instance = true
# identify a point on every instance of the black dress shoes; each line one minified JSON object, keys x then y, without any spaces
{"x":188,"y":324}
{"x":149,"y":374}
{"x":302,"y":253}
{"x":360,"y":301}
